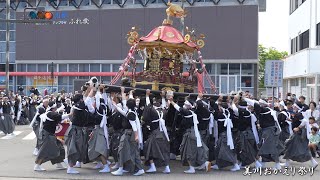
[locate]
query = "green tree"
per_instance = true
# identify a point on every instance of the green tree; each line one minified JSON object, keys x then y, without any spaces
{"x":268,"y":54}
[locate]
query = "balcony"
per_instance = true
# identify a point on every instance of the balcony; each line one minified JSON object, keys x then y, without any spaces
{"x":302,"y":63}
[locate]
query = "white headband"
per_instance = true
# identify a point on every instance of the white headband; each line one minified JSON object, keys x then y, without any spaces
{"x":243,"y":107}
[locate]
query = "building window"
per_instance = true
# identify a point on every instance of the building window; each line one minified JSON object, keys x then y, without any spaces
{"x":32,"y":68}
{"x":300,"y":42}
{"x":73,"y":67}
{"x":63,"y":80}
{"x":63,"y":68}
{"x":246,"y":81}
{"x":222,"y":69}
{"x":234,"y":69}
{"x":42,"y":68}
{"x":21,"y":67}
{"x":295,"y":4}
{"x":94,"y":67}
{"x":115,"y":67}
{"x":246,"y":69}
{"x":304,"y":40}
{"x":83,"y":67}
{"x":105,"y":67}
{"x":318,"y":34}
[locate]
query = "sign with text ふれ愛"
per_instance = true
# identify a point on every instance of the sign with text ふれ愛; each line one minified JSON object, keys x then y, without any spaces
{"x":273,"y":73}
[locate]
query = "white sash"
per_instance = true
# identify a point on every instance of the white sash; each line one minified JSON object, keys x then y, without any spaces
{"x":228,"y":123}
{"x":162,"y":124}
{"x":253,"y":126}
{"x":196,"y":130}
{"x":34,"y":118}
{"x":137,"y":121}
{"x":275,"y":118}
{"x":103,"y":124}
{"x":44,"y":118}
{"x":289,"y":122}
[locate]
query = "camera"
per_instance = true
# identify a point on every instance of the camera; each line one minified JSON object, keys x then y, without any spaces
{"x":94,"y":83}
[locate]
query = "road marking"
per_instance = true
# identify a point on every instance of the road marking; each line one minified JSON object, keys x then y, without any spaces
{"x":16,"y":133}
{"x":30,"y":136}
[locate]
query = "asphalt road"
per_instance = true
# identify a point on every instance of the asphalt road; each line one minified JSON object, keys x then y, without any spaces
{"x":17,"y":161}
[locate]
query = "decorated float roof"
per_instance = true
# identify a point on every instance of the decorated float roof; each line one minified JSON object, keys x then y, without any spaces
{"x":166,"y":33}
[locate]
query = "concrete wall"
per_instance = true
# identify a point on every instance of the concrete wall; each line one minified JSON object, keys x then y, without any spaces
{"x":304,"y":18}
{"x":231,"y":33}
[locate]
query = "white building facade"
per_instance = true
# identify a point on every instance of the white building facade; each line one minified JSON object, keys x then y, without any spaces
{"x":302,"y":67}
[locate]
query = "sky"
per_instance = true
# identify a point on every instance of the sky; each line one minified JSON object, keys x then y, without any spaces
{"x":273,"y":25}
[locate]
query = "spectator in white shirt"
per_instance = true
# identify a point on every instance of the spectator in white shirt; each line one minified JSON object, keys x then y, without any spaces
{"x":312,"y":112}
{"x":313,"y":123}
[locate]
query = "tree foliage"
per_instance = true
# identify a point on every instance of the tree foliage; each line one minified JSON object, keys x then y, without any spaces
{"x":268,"y":54}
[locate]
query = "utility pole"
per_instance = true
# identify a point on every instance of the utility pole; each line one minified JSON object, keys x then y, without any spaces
{"x":52,"y":77}
{"x":7,"y":44}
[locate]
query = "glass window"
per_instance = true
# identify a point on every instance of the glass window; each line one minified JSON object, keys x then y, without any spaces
{"x":42,"y":68}
{"x":2,"y":36}
{"x":222,"y":69}
{"x":115,"y":67}
{"x":318,"y":34}
{"x":94,"y":67}
{"x":105,"y":67}
{"x":32,"y":68}
{"x":3,"y":45}
{"x":63,"y":68}
{"x":21,"y":80}
{"x":105,"y":79}
{"x":246,"y":81}
{"x":211,"y":68}
{"x":84,"y":77}
{"x":63,"y":88}
{"x":71,"y":78}
{"x":303,"y":83}
{"x":73,"y":68}
{"x":21,"y":67}
{"x":83,"y":67}
{"x":311,"y":80}
{"x":12,"y":57}
{"x":12,"y":35}
{"x":246,"y":69}
{"x":234,"y":69}
{"x":62,"y":80}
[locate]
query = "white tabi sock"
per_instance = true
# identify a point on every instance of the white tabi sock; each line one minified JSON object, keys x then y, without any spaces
{"x":152,"y":168}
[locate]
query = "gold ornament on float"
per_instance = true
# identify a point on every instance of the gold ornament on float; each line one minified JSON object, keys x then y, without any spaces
{"x":133,"y":36}
{"x":200,"y":43}
{"x":131,"y":40}
{"x":187,"y":38}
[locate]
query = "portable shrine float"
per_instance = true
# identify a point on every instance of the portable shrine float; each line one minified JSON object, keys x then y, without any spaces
{"x":164,"y":51}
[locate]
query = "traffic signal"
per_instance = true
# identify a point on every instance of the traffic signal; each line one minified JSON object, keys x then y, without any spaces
{"x":41,"y":15}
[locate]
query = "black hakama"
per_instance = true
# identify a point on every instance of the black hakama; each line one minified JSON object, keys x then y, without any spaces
{"x":157,"y":148}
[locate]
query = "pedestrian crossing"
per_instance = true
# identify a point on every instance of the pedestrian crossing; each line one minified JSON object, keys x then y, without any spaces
{"x":23,"y":135}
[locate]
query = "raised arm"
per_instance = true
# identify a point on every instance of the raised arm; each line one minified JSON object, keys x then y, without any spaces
{"x":119,"y":109}
{"x":147,"y":97}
